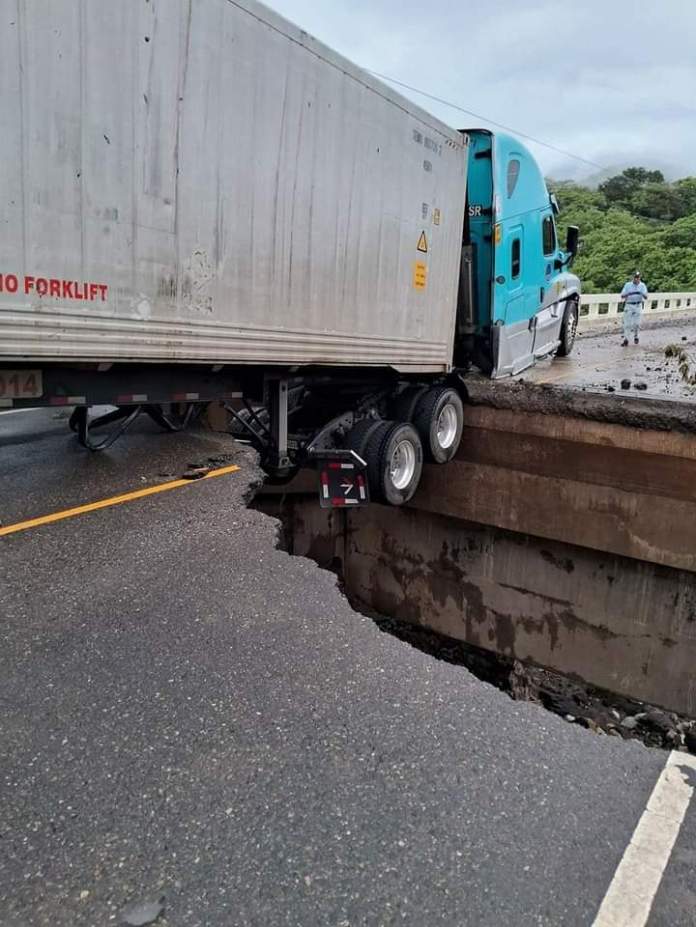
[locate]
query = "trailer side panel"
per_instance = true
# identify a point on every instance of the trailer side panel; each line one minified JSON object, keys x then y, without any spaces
{"x":200,"y":181}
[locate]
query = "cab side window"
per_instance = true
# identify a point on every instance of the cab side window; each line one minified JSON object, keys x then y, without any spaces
{"x":513,"y":175}
{"x":548,"y":235}
{"x":516,"y":258}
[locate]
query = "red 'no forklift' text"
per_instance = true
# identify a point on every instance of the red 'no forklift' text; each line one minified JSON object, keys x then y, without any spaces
{"x":53,"y":288}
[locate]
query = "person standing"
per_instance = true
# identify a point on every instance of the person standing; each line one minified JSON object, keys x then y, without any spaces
{"x":634,"y":295}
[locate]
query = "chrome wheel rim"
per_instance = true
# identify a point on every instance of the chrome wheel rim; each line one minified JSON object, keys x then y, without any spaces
{"x":402,"y":465}
{"x":447,"y":426}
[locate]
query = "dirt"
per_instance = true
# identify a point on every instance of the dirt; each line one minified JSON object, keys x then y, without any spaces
{"x":598,"y":406}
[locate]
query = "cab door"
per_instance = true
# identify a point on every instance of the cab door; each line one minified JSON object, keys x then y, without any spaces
{"x":548,"y":311}
{"x":516,"y":342}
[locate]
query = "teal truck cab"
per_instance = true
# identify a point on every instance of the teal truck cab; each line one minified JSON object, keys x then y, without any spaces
{"x":518,"y":302}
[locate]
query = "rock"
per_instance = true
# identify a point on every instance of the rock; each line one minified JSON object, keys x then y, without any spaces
{"x":683,"y":337}
{"x":625,"y":384}
{"x":640,"y":385}
{"x":629,"y":724}
{"x":590,"y":725}
{"x":658,"y":721}
{"x":195,"y":473}
{"x":673,"y":739}
{"x":142,"y":912}
{"x":690,"y":740}
{"x":561,"y":704}
{"x":616,"y":714}
{"x":611,"y":389}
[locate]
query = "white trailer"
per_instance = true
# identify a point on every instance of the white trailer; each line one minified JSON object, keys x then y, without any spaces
{"x":200,"y":182}
{"x":201,"y":202}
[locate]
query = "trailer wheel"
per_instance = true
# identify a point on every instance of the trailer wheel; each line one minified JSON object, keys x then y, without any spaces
{"x":394,"y":456}
{"x":402,"y":408}
{"x":439,"y":420}
{"x":569,"y":328}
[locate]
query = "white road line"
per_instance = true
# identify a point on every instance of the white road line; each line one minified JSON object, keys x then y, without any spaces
{"x":629,"y":899}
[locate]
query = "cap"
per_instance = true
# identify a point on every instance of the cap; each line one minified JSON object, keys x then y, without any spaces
{"x":636,"y":273}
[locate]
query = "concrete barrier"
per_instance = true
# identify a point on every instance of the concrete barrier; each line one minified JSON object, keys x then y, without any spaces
{"x":598,"y":309}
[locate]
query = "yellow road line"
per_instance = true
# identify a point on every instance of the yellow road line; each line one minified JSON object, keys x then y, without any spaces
{"x":113,"y":500}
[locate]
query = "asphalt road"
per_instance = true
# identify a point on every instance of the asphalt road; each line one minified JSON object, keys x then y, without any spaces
{"x":599,"y":361}
{"x":190,"y":714}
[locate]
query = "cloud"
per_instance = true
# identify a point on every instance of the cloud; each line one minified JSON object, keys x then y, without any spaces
{"x":613,"y":81}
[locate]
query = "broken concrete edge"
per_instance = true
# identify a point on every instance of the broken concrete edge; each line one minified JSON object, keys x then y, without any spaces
{"x":569,"y":697}
{"x":547,"y":399}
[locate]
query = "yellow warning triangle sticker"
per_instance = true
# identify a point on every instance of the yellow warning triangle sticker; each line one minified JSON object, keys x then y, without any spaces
{"x":423,"y":243}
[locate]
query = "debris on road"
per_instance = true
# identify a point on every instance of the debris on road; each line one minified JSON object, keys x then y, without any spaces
{"x":141,"y":913}
{"x":195,"y":473}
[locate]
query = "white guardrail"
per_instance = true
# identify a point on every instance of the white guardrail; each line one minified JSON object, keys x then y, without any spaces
{"x":606,"y":308}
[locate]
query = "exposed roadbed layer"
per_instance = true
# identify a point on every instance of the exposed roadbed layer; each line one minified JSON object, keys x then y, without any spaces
{"x":546,"y":399}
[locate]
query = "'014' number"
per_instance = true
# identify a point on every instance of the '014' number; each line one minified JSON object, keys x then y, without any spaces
{"x":20,"y":384}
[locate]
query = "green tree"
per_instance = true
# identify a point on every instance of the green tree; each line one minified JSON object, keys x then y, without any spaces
{"x":635,"y":219}
{"x":686,"y":189}
{"x":580,"y":206}
{"x":658,"y":201}
{"x":641,"y":175}
{"x":681,"y":234}
{"x":619,"y":190}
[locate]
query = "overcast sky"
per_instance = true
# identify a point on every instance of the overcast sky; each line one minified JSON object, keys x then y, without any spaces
{"x":613,"y":81}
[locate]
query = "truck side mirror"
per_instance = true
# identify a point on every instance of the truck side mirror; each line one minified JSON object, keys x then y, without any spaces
{"x":572,"y":240}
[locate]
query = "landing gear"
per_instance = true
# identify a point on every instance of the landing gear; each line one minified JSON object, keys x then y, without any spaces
{"x":267,"y":428}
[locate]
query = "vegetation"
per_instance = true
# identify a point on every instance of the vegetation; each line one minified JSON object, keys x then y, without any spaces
{"x":635,"y":220}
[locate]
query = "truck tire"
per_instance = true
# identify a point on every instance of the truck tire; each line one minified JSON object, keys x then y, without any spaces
{"x":402,"y":408}
{"x":394,"y":456}
{"x":360,"y":434}
{"x":439,"y":420}
{"x":569,"y":328}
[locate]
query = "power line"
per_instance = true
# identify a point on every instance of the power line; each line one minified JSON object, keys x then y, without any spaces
{"x":499,"y":125}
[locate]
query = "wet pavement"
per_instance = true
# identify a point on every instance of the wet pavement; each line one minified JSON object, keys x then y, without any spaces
{"x":193,"y":719}
{"x":599,"y":362}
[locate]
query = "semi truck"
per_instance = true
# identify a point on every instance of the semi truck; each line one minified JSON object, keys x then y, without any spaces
{"x":203,"y":204}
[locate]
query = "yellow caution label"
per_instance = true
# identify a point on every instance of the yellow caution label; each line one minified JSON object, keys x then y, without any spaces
{"x":436,"y":216}
{"x":423,"y":243}
{"x":498,"y":234}
{"x":420,"y":275}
